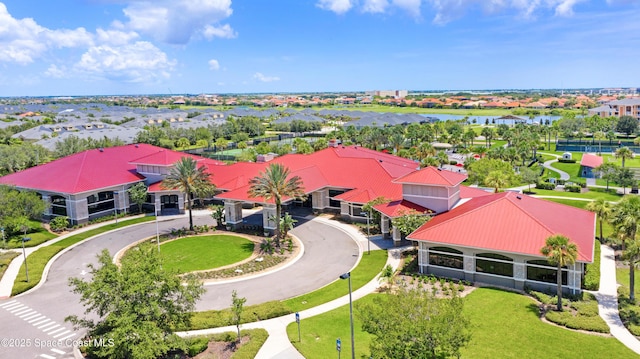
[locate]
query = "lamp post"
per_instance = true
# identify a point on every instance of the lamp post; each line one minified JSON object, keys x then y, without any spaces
{"x":24,"y":253}
{"x":366,"y":214}
{"x":348,"y":276}
{"x":155,"y":206}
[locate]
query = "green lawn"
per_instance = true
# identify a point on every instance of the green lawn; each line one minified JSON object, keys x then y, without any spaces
{"x":39,"y":259}
{"x":622,"y":277}
{"x":36,"y":232}
{"x":595,"y":194}
{"x":504,"y":325}
{"x":568,"y":202}
{"x":190,"y":254}
{"x":367,"y":269}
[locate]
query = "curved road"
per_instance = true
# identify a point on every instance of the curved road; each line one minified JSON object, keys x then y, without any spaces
{"x":34,"y":323}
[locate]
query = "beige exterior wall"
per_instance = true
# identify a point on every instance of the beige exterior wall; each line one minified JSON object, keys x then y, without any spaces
{"x":437,"y":198}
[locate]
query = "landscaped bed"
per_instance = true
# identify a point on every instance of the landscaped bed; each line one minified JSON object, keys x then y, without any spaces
{"x":224,"y":345}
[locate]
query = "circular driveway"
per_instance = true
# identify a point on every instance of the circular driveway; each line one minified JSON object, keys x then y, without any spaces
{"x":39,"y":315}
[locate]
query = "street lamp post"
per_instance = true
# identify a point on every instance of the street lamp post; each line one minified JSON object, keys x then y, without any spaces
{"x":353,"y":349}
{"x":24,"y":254}
{"x":155,"y":206}
{"x":366,"y":214}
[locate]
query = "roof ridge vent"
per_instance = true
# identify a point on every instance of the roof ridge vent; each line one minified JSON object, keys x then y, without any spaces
{"x":101,"y":149}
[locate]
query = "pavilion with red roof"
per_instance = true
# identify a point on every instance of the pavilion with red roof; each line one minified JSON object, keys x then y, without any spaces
{"x":588,"y":163}
{"x":497,"y":239}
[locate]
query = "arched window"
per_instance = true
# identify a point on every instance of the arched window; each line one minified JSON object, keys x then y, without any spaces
{"x":542,"y":271}
{"x":492,"y":263}
{"x":445,"y":257}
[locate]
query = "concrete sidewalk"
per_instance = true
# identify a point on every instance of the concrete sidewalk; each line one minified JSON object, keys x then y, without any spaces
{"x":607,"y":297}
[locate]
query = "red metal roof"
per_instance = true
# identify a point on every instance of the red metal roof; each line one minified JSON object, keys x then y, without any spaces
{"x":471,"y":192}
{"x":433,"y":175}
{"x":590,"y":160}
{"x":164,"y":157}
{"x":510,"y":222}
{"x":399,"y":208}
{"x":85,"y":171}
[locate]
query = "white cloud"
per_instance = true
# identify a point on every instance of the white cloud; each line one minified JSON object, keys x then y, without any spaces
{"x":115,"y":37}
{"x":224,"y":32}
{"x":55,"y":72}
{"x":410,"y":6}
{"x":23,"y":40}
{"x":375,"y":6}
{"x":137,"y":62}
{"x":214,"y":65}
{"x":260,"y":77}
{"x":176,"y":21}
{"x":338,"y":6}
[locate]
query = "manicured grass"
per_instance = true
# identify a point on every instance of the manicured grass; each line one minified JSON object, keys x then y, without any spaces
{"x":39,"y":259}
{"x":190,"y":254}
{"x":503,"y":325}
{"x":628,"y":163}
{"x":498,"y":143}
{"x":5,"y":260}
{"x":367,"y":269}
{"x":608,"y":196}
{"x":629,"y":312}
{"x":506,"y":325}
{"x":622,"y":277}
{"x":592,"y":278}
{"x":568,"y":202}
{"x":36,"y":232}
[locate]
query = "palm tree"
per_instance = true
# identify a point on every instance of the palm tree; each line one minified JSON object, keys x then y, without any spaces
{"x":599,"y":135}
{"x":488,"y":134}
{"x":560,"y":251}
{"x":442,"y":158}
{"x":497,"y":180}
{"x":625,"y":217}
{"x":602,"y":209}
{"x":632,"y":256}
{"x":624,"y":153}
{"x":190,"y":179}
{"x":273,"y":184}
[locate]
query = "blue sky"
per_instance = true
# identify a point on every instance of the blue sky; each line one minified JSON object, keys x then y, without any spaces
{"x":101,"y":47}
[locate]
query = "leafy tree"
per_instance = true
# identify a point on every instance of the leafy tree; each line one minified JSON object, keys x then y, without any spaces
{"x":410,"y":221}
{"x":138,"y":194}
{"x":186,"y":176}
{"x":16,"y":207}
{"x":625,"y":220}
{"x":602,"y":209}
{"x":627,"y":124}
{"x":560,"y":251}
{"x":237,"y":307}
{"x":274,"y":183}
{"x":479,"y":170}
{"x":387,"y":275}
{"x":414,"y":324}
{"x":286,"y":224}
{"x":607,"y":171}
{"x":624,"y":177}
{"x":137,"y":305}
{"x":529,"y":176}
{"x":623,"y":153}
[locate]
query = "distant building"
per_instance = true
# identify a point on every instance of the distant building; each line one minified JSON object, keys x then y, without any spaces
{"x":618,"y":108}
{"x":388,"y":93}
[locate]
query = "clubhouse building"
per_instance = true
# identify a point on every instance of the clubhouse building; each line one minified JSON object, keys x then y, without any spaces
{"x":473,"y":235}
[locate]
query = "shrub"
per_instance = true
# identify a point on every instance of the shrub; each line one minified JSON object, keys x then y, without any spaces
{"x":545,"y":185}
{"x":578,"y":321}
{"x":562,"y":160}
{"x":59,"y":223}
{"x":573,"y":188}
{"x":453,"y":163}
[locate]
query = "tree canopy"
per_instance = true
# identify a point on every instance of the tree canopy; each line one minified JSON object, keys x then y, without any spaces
{"x":138,"y":304}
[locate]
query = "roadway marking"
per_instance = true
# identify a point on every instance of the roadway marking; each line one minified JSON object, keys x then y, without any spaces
{"x":58,"y":351}
{"x":47,"y":356}
{"x":40,"y":321}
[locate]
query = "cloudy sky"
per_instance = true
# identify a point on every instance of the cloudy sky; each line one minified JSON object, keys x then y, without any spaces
{"x":101,"y":47}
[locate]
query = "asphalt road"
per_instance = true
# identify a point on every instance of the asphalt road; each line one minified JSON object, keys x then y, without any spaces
{"x":32,"y":325}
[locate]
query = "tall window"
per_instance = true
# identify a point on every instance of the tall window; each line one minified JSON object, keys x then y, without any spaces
{"x":332,"y":193}
{"x":492,"y":263}
{"x":58,"y":205}
{"x":445,"y":257}
{"x":542,"y":271}
{"x":100,"y":202}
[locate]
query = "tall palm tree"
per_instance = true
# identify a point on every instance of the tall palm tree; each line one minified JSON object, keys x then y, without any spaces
{"x":497,"y":180}
{"x":599,"y":135}
{"x":274,"y":184}
{"x":488,"y":134}
{"x":625,"y":217}
{"x":632,"y":256}
{"x":624,"y":153}
{"x":190,"y":179}
{"x":602,"y":209}
{"x":560,"y":251}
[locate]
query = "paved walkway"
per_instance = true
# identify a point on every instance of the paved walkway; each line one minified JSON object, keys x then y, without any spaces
{"x":278,"y":344}
{"x":563,"y":175}
{"x":607,"y":297}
